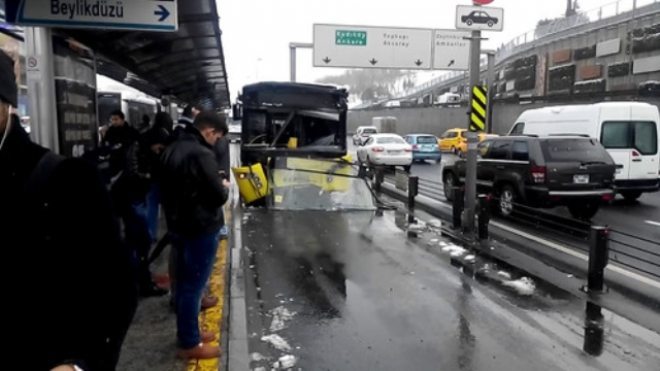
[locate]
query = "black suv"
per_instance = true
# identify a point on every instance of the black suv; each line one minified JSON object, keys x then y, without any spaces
{"x":541,"y":172}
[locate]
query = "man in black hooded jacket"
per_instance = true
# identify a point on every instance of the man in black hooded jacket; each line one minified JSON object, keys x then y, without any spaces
{"x":69,"y":284}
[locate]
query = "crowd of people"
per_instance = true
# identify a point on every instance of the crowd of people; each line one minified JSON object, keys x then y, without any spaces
{"x":81,"y":241}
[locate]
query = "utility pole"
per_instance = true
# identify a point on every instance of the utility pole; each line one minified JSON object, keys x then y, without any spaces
{"x":490,"y":89}
{"x":472,"y":138}
{"x":292,"y":57}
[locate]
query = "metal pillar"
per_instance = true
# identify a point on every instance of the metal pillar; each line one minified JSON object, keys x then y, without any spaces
{"x":598,"y":258}
{"x":292,"y":63}
{"x":491,"y":91}
{"x":292,"y":57}
{"x":631,"y":30}
{"x":41,"y":87}
{"x":472,"y":139}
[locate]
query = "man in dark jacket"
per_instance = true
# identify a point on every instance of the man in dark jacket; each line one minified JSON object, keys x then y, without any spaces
{"x":129,"y":169}
{"x":71,"y":285}
{"x":186,"y":120}
{"x":193,"y":194}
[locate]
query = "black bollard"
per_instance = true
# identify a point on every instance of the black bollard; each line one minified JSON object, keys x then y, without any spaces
{"x":457,"y":207}
{"x":598,"y":257}
{"x":483,"y":217}
{"x":379,"y":178}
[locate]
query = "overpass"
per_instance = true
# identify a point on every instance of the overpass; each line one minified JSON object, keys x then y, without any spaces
{"x":586,"y":53}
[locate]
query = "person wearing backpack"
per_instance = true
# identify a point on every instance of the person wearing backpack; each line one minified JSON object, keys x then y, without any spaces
{"x":68,"y":282}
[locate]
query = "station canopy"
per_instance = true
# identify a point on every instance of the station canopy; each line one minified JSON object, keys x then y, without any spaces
{"x":188,"y":64}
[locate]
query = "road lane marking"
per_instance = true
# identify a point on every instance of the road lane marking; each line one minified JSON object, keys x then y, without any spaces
{"x":651,"y":222}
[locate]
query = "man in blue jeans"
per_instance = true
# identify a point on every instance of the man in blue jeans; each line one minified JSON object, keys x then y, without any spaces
{"x":192,"y":195}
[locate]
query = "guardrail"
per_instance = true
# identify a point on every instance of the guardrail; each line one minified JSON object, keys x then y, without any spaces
{"x":636,"y":253}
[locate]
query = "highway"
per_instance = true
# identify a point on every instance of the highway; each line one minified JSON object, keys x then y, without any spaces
{"x":635,"y":237}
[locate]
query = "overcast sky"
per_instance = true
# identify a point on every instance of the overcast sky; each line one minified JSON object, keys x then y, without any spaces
{"x":256,"y":33}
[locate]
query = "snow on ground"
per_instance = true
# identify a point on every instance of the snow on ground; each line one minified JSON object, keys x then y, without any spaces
{"x":280,"y":316}
{"x":504,"y":274}
{"x":277,"y":342}
{"x":285,"y":362}
{"x":524,"y":286}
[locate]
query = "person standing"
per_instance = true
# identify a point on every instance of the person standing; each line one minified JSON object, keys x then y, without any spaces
{"x":193,"y":194}
{"x":186,"y":120}
{"x":130,"y":179}
{"x":76,"y":291}
{"x":154,"y":141}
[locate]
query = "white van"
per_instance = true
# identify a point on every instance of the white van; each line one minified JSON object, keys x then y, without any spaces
{"x":628,"y":130}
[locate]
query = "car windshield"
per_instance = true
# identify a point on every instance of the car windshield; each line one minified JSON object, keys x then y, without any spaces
{"x":426,"y":140}
{"x":390,"y":140}
{"x":369,"y":131}
{"x":570,"y":150}
{"x":304,"y":184}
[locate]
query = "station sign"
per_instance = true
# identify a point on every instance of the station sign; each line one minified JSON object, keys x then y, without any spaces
{"x":479,"y":18}
{"x":140,"y":15}
{"x":372,"y":47}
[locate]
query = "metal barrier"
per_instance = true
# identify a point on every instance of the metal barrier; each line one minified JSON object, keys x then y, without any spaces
{"x":636,"y":253}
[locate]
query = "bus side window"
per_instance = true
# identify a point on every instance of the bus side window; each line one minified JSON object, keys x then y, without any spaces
{"x":518,"y":129}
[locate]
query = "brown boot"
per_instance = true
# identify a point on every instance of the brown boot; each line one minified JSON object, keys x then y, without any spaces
{"x":206,"y":336}
{"x":201,"y":351}
{"x":209,"y":302}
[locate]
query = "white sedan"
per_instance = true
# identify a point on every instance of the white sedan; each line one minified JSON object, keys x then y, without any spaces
{"x":386,"y":150}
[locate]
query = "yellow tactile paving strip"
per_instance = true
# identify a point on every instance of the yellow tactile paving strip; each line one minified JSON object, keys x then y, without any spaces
{"x":211,"y":319}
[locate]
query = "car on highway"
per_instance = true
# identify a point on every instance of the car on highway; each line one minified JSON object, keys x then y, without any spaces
{"x":628,"y":130}
{"x":479,"y":17}
{"x":424,"y":147}
{"x":385,"y":150}
{"x":455,"y":140}
{"x":545,"y":172}
{"x":363,"y":133}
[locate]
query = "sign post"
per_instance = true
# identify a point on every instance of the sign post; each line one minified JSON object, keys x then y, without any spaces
{"x":475,"y":18}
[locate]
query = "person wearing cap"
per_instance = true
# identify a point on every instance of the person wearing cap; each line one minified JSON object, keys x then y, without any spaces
{"x":67,"y":280}
{"x":193,"y":194}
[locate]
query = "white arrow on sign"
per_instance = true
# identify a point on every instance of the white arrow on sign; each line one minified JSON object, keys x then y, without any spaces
{"x":142,"y":15}
{"x":451,"y":51}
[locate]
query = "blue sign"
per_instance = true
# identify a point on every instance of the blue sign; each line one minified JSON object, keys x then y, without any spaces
{"x":142,"y":15}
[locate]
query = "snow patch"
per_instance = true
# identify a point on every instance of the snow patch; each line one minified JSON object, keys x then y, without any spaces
{"x":435,"y":223}
{"x":285,"y":362}
{"x":524,"y":286}
{"x":504,"y":274}
{"x":256,"y":357}
{"x":277,"y":342}
{"x":470,"y":257}
{"x":280,"y":316}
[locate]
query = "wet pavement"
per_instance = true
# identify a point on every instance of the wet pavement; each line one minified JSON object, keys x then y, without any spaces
{"x":349,"y":291}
